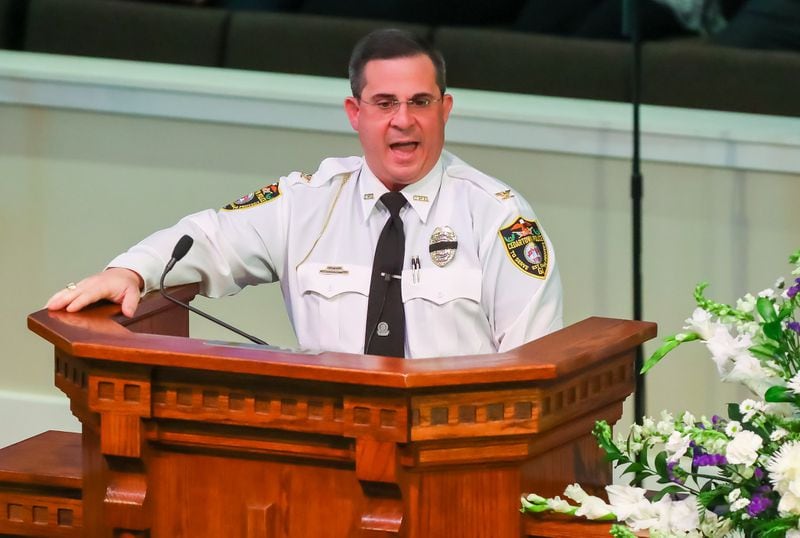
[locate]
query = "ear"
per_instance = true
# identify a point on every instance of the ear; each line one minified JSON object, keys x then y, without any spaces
{"x":351,"y":108}
{"x":447,"y":106}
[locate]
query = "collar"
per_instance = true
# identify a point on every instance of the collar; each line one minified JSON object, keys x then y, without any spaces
{"x":420,"y":195}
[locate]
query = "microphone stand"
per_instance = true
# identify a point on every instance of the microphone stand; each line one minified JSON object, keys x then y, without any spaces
{"x":181,"y":248}
{"x":632,"y":27}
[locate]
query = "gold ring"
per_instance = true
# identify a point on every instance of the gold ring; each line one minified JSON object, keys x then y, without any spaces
{"x":71,"y":286}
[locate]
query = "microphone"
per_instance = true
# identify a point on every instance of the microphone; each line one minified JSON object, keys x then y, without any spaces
{"x":181,"y":248}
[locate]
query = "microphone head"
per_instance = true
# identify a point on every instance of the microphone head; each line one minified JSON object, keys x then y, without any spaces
{"x":182,"y":247}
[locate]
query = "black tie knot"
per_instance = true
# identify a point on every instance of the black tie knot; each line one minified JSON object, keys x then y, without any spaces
{"x":394,"y":202}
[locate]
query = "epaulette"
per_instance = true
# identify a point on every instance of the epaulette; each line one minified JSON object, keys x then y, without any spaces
{"x":329,"y":170}
{"x":493,"y":186}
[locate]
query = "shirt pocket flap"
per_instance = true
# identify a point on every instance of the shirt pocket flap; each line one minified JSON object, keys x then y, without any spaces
{"x":441,"y":286}
{"x":332,"y":280}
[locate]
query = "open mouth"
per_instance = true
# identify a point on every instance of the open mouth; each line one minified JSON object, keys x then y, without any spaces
{"x":404,"y":147}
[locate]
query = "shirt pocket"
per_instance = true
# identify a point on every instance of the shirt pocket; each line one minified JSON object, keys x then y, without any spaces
{"x":334,"y":299}
{"x":332,"y":280}
{"x":441,"y":286}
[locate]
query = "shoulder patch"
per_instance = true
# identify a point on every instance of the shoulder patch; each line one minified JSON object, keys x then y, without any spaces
{"x":526,"y":247}
{"x":261,"y":196}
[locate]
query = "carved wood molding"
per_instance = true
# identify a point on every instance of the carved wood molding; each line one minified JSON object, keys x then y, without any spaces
{"x":520,"y":411}
{"x":24,"y":514}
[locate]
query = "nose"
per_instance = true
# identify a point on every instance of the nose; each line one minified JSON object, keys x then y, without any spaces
{"x":402,"y":117}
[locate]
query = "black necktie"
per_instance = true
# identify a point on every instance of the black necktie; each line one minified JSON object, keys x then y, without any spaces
{"x":386,"y":320}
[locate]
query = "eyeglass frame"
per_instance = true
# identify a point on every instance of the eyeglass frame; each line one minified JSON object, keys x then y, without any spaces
{"x":394,"y":103}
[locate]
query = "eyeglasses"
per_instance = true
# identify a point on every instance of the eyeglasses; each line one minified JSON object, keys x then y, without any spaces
{"x":393,"y":105}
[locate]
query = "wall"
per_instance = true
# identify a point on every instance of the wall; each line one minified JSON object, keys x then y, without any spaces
{"x":82,"y":180}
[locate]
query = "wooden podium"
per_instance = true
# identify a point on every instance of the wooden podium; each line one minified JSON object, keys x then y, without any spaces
{"x":190,"y":438}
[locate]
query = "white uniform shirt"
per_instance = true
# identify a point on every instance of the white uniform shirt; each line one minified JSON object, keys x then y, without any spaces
{"x":318,"y":236}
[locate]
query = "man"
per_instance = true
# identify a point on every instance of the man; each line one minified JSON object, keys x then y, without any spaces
{"x":407,"y":251}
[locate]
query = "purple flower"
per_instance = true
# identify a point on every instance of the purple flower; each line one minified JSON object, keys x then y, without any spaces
{"x":715,"y":460}
{"x":715,"y":420}
{"x":758,"y":473}
{"x":795,"y":326}
{"x":791,"y":292}
{"x":671,"y":473}
{"x":758,"y":503}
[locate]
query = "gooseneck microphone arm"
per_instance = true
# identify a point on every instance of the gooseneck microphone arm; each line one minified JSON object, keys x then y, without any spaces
{"x":180,"y":250}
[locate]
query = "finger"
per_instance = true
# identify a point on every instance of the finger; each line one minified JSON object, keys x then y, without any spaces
{"x":84,"y":299}
{"x":58,"y":301}
{"x":130,"y":301}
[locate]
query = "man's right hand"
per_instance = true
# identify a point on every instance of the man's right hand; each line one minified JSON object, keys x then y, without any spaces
{"x":116,"y":284}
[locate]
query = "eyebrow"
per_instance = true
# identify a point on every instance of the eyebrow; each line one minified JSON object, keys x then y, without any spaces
{"x":392,"y":96}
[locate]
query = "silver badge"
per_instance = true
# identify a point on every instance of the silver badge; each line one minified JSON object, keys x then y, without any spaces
{"x":443,"y":245}
{"x":383,"y":329}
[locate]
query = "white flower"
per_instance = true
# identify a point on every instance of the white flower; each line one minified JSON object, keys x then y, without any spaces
{"x":724,"y":348}
{"x":746,"y":304}
{"x":784,"y":470}
{"x":734,"y":495}
{"x":739,"y":504}
{"x":769,"y":293}
{"x":732,"y":428}
{"x":778,"y":434}
{"x":684,"y":515}
{"x":666,"y":425}
{"x":714,"y":527}
{"x":749,"y":371}
{"x":743,"y":448}
{"x":593,"y":508}
{"x":676,"y":446}
{"x":576,"y":493}
{"x":793,"y":533}
{"x":648,"y":426}
{"x":537,"y":499}
{"x":748,"y":408}
{"x":780,"y":283}
{"x":557,"y":504}
{"x":700,"y":323}
{"x":626,"y":500}
{"x":789,"y":504}
{"x":794,"y":383}
{"x":688,"y":419}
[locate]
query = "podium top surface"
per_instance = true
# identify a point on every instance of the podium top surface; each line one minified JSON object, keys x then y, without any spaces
{"x":51,"y":459}
{"x":99,"y":332}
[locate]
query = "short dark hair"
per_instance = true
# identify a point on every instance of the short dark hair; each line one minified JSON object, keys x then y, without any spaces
{"x":387,"y":44}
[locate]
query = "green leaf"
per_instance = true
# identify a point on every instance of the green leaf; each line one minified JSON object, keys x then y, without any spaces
{"x":669,"y":344}
{"x":787,"y":309}
{"x":661,"y":463}
{"x":711,"y":497}
{"x":779,"y":394}
{"x":734,"y":413}
{"x":634,"y":467}
{"x":766,"y":310}
{"x":773,"y":330}
{"x":669,"y":490}
{"x":765,"y":351}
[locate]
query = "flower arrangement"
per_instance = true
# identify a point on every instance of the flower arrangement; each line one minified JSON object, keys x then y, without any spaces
{"x":731,"y":477}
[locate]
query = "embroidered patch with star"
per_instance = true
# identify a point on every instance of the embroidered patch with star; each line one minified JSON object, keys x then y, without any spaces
{"x":261,"y":196}
{"x":526,"y":247}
